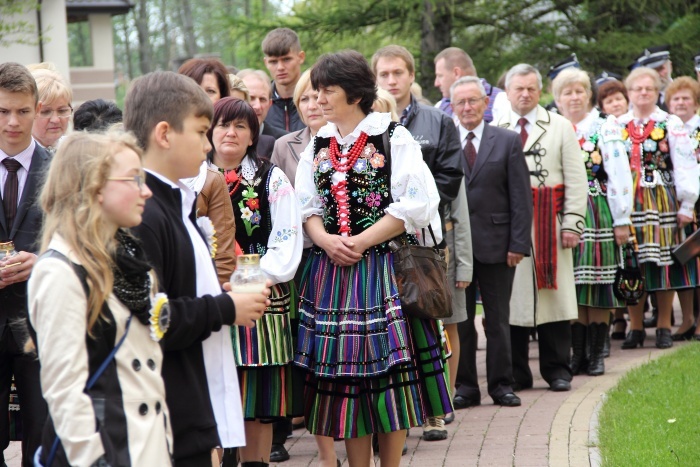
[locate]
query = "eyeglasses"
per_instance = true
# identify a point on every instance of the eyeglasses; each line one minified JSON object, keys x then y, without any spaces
{"x":63,"y":112}
{"x":641,"y":89}
{"x":472,"y":102}
{"x":139,"y":179}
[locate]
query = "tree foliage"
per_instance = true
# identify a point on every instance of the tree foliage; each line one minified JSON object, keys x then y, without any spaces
{"x":14,"y":29}
{"x":605,"y":34}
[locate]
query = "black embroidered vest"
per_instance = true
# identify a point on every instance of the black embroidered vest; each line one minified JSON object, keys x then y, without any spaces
{"x":368,"y":186}
{"x":251,"y":209}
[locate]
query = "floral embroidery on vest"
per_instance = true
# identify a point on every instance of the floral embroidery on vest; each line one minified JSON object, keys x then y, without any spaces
{"x":597,"y":178}
{"x":655,"y":161}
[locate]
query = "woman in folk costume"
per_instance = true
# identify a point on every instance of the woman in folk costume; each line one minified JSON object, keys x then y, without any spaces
{"x":362,"y":182}
{"x":268,"y":223}
{"x":666,"y":186}
{"x":683,"y":100}
{"x":606,"y":225}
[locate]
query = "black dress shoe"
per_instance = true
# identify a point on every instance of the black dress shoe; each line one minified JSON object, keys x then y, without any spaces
{"x":559,"y":385}
{"x":634,"y":338}
{"x":507,"y":400}
{"x":619,"y":335}
{"x":278,"y":453}
{"x":449,"y":418}
{"x":663,"y":338}
{"x":684,"y":336}
{"x":463,"y":402}
{"x":651,"y":322}
{"x":516,"y":386}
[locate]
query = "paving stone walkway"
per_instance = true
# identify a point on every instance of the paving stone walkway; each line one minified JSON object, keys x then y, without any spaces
{"x":549,"y":429}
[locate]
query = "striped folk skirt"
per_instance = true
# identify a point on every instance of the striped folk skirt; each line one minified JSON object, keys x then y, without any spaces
{"x":370,"y":368}
{"x":270,"y":386}
{"x":597,"y":257}
{"x":657,"y":233}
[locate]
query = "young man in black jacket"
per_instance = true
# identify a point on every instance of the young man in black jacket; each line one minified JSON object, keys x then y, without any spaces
{"x":439,"y":142}
{"x":283,"y":59}
{"x":170,"y":116}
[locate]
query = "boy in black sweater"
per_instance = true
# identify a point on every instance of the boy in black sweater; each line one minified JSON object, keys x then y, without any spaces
{"x":170,"y":115}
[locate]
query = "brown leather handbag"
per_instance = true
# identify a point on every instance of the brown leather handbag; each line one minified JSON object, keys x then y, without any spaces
{"x":421,"y":276}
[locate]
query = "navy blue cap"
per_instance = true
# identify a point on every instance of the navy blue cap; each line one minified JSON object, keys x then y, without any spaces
{"x":654,"y":57}
{"x":568,"y":62}
{"x":606,"y":76}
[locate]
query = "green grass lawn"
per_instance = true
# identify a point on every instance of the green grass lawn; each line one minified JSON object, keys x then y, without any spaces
{"x":652,"y":417}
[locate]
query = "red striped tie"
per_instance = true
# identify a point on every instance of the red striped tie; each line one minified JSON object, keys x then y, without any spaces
{"x":523,"y":132}
{"x":9,"y":199}
{"x":470,"y":150}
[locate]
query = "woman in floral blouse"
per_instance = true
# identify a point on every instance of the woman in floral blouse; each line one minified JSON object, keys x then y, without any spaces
{"x":362,"y":182}
{"x":268,"y":223}
{"x":606,"y":225}
{"x":665,"y":189}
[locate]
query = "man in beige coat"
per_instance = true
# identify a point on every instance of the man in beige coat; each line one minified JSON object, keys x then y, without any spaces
{"x":544,"y":294}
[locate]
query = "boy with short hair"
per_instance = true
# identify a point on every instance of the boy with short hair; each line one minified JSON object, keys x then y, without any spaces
{"x":22,"y":166}
{"x":170,"y":116}
{"x":283,"y":59}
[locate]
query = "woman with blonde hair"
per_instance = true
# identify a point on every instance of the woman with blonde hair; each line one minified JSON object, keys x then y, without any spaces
{"x":665,"y":188}
{"x":55,"y":97}
{"x":606,"y":225}
{"x":238,"y":88}
{"x":385,"y":102}
{"x":95,"y":273}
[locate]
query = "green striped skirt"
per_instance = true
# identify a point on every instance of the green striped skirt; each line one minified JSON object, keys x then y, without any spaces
{"x":597,"y":257}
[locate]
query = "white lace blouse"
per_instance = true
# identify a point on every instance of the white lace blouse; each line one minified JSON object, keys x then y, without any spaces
{"x":413,"y":190}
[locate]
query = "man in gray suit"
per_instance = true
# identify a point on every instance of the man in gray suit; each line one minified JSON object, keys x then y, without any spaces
{"x":500,"y":213}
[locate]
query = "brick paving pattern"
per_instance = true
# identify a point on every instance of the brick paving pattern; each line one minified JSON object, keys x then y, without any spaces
{"x":549,"y":429}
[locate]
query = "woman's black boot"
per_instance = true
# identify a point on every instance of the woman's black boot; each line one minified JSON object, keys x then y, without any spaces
{"x":597,"y":334}
{"x":579,"y":359}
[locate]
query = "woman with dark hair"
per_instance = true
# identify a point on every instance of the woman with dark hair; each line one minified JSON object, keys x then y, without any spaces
{"x":210,"y":74}
{"x":612,"y":98}
{"x":362,"y":182}
{"x":96,"y":115}
{"x":268,"y":223}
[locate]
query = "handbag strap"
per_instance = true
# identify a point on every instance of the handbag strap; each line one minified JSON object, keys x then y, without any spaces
{"x":628,"y":257}
{"x":82,"y":275}
{"x":432,"y":234}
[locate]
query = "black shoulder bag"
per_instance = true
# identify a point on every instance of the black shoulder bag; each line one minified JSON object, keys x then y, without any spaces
{"x":629,"y":282}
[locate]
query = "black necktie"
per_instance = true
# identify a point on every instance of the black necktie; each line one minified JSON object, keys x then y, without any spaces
{"x":523,"y":132}
{"x":470,"y":150}
{"x":9,"y":198}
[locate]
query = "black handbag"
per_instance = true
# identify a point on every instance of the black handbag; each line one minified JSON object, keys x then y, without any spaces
{"x":421,"y":276}
{"x":629,"y":282}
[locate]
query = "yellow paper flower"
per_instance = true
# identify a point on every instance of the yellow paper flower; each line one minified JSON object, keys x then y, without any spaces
{"x":657,"y":134}
{"x":160,"y":316}
{"x":595,"y":157}
{"x":625,"y":135}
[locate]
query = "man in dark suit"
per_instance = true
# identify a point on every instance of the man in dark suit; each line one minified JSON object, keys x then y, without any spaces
{"x":500,"y":213}
{"x":22,"y":165}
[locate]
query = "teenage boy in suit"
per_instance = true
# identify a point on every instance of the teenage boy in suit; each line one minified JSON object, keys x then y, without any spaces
{"x":22,"y":165}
